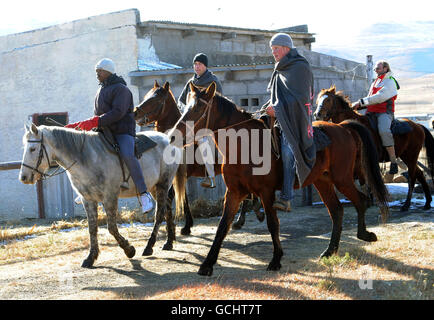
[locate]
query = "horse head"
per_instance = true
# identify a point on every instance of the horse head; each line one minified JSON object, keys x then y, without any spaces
{"x":152,"y":107}
{"x":198,"y":114}
{"x":36,"y":158}
{"x":325,"y":103}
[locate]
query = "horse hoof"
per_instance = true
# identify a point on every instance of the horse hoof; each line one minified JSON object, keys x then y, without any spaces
{"x":130,"y":252}
{"x":326,"y":254}
{"x":205,"y":271}
{"x":185,"y":231}
{"x":168,"y":246}
{"x":274,"y":266}
{"x":237,"y":226}
{"x":88,"y":263}
{"x":404,"y":208}
{"x":367,"y":236}
{"x":260,"y":215}
{"x":148,"y":252}
{"x":427,"y":206}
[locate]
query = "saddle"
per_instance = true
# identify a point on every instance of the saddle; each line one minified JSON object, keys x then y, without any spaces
{"x":320,"y":138}
{"x":142,"y":143}
{"x":397,"y":127}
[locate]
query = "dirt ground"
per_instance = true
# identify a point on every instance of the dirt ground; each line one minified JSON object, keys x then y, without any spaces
{"x":245,"y":254}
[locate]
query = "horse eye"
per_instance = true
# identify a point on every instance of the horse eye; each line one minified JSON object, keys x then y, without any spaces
{"x":32,"y":149}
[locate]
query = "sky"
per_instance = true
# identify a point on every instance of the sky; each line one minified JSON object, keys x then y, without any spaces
{"x":347,"y":29}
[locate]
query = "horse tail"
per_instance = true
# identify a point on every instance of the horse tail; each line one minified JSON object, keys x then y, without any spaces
{"x":369,"y":159}
{"x":429,"y":150}
{"x":179,"y":186}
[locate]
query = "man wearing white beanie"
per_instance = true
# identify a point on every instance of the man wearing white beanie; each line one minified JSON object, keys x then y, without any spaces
{"x":114,"y":110}
{"x":291,"y":90}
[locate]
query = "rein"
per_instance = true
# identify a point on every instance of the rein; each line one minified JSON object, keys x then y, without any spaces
{"x":207,"y":112}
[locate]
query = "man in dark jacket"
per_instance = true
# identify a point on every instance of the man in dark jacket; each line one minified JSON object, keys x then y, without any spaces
{"x":202,"y":78}
{"x":291,"y":88}
{"x":114,"y":110}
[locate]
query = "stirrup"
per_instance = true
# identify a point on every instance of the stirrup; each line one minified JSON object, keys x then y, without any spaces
{"x":208,"y":183}
{"x":283,"y":205}
{"x":125,"y":185}
{"x":393,"y":169}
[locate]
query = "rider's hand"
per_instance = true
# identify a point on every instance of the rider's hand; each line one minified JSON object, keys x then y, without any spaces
{"x":270,"y":111}
{"x":356,"y":105}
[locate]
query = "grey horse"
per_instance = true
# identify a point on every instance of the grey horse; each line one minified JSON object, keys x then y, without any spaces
{"x":96,"y":175}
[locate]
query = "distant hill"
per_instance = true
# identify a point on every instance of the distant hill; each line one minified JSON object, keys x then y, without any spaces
{"x":416,"y":96}
{"x":409,"y":47}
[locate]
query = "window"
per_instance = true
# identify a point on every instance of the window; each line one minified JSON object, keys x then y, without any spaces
{"x":255,"y":102}
{"x":244,"y":102}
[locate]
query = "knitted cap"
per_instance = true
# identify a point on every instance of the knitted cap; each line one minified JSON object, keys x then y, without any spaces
{"x":201,"y":57}
{"x":106,"y":64}
{"x":281,"y":39}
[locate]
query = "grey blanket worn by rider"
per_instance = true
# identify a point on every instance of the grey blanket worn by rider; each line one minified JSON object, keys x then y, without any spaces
{"x":291,"y":88}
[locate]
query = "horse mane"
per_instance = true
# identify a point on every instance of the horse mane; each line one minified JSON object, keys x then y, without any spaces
{"x":72,"y":140}
{"x":228,"y":107}
{"x":345,"y":100}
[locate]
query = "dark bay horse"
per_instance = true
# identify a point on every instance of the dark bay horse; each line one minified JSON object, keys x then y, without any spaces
{"x":159,"y":107}
{"x":335,"y":106}
{"x":334,"y":167}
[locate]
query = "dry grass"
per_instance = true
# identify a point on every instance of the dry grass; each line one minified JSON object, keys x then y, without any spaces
{"x":399,"y":265}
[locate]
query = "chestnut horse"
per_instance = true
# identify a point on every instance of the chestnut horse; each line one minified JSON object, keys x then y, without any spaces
{"x":159,"y":107}
{"x":334,"y":167}
{"x":332,"y":105}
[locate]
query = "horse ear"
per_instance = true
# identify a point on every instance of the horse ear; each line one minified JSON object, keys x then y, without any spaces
{"x":333,"y":89}
{"x":166,"y":86}
{"x":156,"y":85}
{"x":210,"y":91}
{"x":34,"y":129}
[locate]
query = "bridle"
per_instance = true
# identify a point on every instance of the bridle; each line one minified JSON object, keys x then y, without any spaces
{"x":42,"y":152}
{"x":328,"y":114}
{"x":206,"y":116}
{"x":157,"y":109}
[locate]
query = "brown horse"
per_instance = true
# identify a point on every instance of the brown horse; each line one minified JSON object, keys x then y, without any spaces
{"x":334,"y":167}
{"x":332,"y":105}
{"x":159,"y":107}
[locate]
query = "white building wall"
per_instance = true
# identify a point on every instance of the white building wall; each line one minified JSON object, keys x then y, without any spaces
{"x":52,"y":70}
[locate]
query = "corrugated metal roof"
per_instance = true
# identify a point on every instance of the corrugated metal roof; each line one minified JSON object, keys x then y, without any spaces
{"x":198,"y":25}
{"x":145,"y":65}
{"x":179,"y":70}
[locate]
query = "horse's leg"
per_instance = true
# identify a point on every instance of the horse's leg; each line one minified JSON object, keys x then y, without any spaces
{"x":241,"y":217}
{"x":231,"y":205}
{"x":170,"y":225}
{"x":159,"y":216}
{"x":360,"y":201}
{"x":412,"y":166}
{"x":274,"y":228}
{"x":428,"y":198}
{"x":336,"y":211}
{"x":111,"y":209}
{"x":92,"y":219}
{"x":188,"y":217}
{"x":257,"y":209}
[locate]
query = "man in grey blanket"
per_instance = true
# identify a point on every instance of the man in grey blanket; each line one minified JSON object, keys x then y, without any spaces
{"x":291,"y":89}
{"x":203,"y":78}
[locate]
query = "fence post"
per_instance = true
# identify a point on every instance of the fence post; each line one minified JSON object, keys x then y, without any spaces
{"x":369,"y":69}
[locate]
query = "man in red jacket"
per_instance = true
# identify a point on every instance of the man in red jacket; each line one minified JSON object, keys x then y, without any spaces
{"x":381,"y":102}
